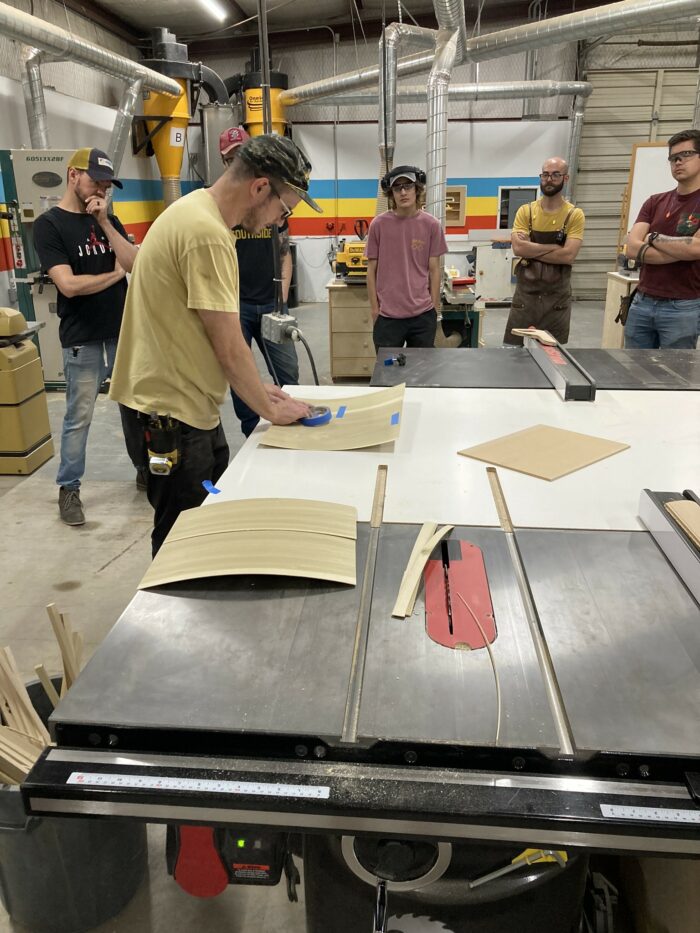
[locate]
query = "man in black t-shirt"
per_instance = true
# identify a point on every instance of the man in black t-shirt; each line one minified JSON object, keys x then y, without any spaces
{"x":85,"y":250}
{"x":257,"y":288}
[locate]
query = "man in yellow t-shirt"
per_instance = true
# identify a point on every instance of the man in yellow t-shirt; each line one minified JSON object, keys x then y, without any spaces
{"x":181,"y":345}
{"x":547,"y":235}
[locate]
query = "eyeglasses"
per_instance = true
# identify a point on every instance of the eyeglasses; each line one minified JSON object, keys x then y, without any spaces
{"x":287,"y":211}
{"x":555,"y":176}
{"x":682,"y":156}
{"x":406,"y":186}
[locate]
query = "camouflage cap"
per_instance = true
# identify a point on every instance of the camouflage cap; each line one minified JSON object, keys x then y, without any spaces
{"x":278,"y":157}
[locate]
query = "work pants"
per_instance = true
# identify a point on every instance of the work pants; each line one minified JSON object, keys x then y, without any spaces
{"x":85,"y":368}
{"x":418,"y":331}
{"x":662,"y":323}
{"x":203,"y":456}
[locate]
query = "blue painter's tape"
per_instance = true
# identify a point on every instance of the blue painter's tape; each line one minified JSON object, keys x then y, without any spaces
{"x":318,"y":417}
{"x":210,"y":487}
{"x":341,"y":411}
{"x":395,"y":418}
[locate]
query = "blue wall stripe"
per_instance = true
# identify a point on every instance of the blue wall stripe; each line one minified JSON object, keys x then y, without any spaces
{"x":367,"y":187}
{"x":139,"y":189}
{"x":136,"y":189}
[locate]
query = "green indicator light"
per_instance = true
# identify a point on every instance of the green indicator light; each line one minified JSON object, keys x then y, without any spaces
{"x":240,"y":843}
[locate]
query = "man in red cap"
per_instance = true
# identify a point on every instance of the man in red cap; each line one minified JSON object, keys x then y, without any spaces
{"x":257,"y":289}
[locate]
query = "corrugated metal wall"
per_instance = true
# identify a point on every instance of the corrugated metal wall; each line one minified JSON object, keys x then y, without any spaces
{"x":68,"y":77}
{"x":626,"y":107}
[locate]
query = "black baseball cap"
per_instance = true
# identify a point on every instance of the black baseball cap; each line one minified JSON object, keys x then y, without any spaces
{"x":96,"y":163}
{"x":278,"y":157}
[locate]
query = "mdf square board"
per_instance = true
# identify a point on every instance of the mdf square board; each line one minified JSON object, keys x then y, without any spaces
{"x":545,"y":452}
{"x":359,"y":421}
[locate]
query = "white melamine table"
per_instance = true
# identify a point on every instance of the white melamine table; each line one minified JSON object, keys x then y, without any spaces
{"x":428,"y":481}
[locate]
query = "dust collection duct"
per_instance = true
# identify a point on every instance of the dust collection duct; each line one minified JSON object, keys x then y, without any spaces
{"x":168,"y":141}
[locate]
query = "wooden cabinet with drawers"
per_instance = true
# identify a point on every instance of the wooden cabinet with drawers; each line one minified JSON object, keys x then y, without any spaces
{"x":350,"y":328}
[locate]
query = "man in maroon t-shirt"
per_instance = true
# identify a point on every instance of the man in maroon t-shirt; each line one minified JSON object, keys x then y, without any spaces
{"x":665,"y":241}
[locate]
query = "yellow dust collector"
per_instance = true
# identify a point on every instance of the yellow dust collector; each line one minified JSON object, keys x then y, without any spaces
{"x":169,"y":141}
{"x":253,"y":97}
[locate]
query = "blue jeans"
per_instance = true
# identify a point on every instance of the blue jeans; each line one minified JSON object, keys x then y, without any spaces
{"x":662,"y":323}
{"x":282,"y":355}
{"x":86,"y":367}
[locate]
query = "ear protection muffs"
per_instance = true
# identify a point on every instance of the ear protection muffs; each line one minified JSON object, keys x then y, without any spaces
{"x":397,"y":172}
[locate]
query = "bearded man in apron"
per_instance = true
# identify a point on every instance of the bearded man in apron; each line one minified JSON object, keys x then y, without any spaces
{"x":547,"y":235}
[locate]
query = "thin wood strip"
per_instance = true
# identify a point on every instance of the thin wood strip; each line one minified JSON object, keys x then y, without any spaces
{"x":426,"y":532}
{"x":70,"y":673}
{"x":47,"y":684}
{"x":33,"y":723}
{"x":78,"y":650}
{"x":412,"y":577}
{"x":12,"y":694}
{"x":39,"y":727}
{"x":70,"y":643}
{"x":6,"y":779}
{"x":15,"y":753}
{"x":29,"y":739}
{"x":379,"y":496}
{"x":11,"y":770}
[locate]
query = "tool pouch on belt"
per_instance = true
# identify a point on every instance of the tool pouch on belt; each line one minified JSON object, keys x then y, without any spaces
{"x":163,"y":444}
{"x":625,"y":305}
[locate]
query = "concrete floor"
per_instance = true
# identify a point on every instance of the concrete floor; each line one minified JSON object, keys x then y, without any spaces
{"x":92,"y":572}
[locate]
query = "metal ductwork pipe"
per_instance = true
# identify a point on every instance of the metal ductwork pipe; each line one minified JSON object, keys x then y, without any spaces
{"x":601,"y":21}
{"x":575,"y":144}
{"x":438,"y":83}
{"x":499,"y":90}
{"x":355,"y":80}
{"x":614,"y":17}
{"x":451,"y":17}
{"x":15,"y":24}
{"x":122,"y":122}
{"x":696,"y":112}
{"x":395,"y":35}
{"x":33,"y":90}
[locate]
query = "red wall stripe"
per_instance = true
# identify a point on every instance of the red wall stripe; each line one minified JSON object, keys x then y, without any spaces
{"x":313,"y":226}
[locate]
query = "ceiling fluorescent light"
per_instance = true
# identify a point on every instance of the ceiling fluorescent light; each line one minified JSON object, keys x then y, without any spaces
{"x":215,"y":8}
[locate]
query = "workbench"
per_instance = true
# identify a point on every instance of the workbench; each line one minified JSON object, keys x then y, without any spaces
{"x":224,"y":701}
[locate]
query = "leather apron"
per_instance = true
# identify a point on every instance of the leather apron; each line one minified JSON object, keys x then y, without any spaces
{"x":542,"y":295}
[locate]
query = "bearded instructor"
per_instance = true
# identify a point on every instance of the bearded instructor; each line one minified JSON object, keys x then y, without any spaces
{"x":181,"y":344}
{"x":547,"y":235}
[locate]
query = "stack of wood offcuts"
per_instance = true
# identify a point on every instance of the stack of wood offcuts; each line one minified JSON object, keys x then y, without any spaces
{"x":23,"y":737}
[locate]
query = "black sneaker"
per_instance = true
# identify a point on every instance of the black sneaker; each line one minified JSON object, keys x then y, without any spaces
{"x":70,"y":506}
{"x":142,"y":479}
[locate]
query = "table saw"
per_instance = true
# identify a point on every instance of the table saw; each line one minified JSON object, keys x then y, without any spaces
{"x":517,"y":368}
{"x":226,"y":701}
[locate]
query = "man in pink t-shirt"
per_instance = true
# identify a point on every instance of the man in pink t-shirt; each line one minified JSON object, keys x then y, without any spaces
{"x":404,"y":246}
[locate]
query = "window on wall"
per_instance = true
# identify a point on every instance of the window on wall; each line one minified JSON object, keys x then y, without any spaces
{"x":509,"y":200}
